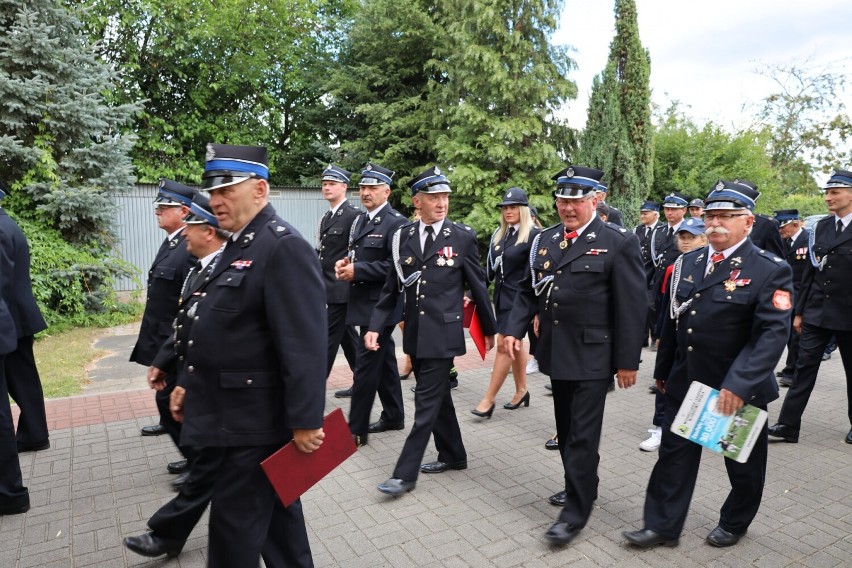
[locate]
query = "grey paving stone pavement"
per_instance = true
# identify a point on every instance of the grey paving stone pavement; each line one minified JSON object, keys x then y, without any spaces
{"x":99,"y":483}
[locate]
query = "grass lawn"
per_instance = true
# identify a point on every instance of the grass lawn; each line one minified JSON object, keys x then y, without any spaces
{"x":62,"y":360}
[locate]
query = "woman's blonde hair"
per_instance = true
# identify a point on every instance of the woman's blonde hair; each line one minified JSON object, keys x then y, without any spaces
{"x":523,"y":230}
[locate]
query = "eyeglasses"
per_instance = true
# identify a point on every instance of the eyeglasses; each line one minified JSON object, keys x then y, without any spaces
{"x":722,"y":216}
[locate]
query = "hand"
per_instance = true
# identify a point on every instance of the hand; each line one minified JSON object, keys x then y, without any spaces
{"x":344,"y":270}
{"x":466,"y":300}
{"x":308,"y":441}
{"x":489,"y":343}
{"x":176,"y":403}
{"x":512,"y":345}
{"x":661,"y":386}
{"x":536,"y":323}
{"x":797,"y":324}
{"x":626,"y":378}
{"x":371,"y":340}
{"x":728,"y":402}
{"x":156,"y":378}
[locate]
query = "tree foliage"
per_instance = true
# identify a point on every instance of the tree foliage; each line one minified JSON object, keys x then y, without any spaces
{"x":618,"y":137}
{"x":239,"y":72}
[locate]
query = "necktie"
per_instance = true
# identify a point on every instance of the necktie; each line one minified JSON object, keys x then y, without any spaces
{"x":647,"y":228}
{"x":196,"y":275}
{"x":839,"y":228}
{"x":509,"y":234}
{"x":430,"y":239}
{"x":670,"y":233}
{"x":716,"y":258}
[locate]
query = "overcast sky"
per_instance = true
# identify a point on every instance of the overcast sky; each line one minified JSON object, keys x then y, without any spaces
{"x":705,"y":54}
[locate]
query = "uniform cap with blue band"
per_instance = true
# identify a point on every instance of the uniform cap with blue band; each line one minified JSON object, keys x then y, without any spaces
{"x":735,"y":195}
{"x":373,"y":174}
{"x":650,"y":206}
{"x":675,"y":199}
{"x":336,"y":173}
{"x":575,"y":182}
{"x":839,"y":178}
{"x":200,"y":212}
{"x":229,"y":165}
{"x":173,"y":194}
{"x":431,"y":180}
{"x":602,"y":188}
{"x":786,"y":216}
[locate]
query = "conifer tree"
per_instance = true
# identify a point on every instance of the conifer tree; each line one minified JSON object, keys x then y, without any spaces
{"x":618,"y":137}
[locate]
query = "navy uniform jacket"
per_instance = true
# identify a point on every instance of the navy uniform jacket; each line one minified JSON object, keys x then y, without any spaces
{"x":15,"y":284}
{"x":255,"y":363}
{"x":165,"y":278}
{"x":371,"y":252}
{"x":508,"y":272}
{"x":826,"y":298}
{"x":798,"y":257}
{"x":434,"y":304}
{"x":614,"y":215}
{"x":645,"y":245}
{"x":592,"y":316}
{"x":8,"y":337}
{"x":666,"y":252}
{"x":728,"y":337}
{"x":765,"y":235}
{"x":333,"y":245}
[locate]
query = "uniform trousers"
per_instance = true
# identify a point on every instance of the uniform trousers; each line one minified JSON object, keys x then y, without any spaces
{"x":789,"y":370}
{"x":578,"y":407}
{"x":12,"y":490}
{"x":171,"y":425}
{"x":340,"y":335}
{"x":812,"y":344}
{"x":673,"y":482}
{"x":434,"y":413}
{"x":246,"y":518}
{"x":376,"y":372}
{"x":24,"y":386}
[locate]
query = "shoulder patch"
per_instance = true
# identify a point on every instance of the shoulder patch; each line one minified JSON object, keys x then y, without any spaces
{"x":769,"y":256}
{"x":277,"y":229}
{"x":462,"y":226}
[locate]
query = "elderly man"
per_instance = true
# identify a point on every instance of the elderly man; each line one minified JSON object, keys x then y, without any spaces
{"x":649,"y":220}
{"x":255,"y":366}
{"x":366,"y":268}
{"x":726,"y":326}
{"x":433,"y":260}
{"x":797,"y":254}
{"x":822,"y":310}
{"x":586,"y":283}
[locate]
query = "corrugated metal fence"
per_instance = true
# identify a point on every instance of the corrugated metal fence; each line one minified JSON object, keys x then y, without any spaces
{"x":139,"y":237}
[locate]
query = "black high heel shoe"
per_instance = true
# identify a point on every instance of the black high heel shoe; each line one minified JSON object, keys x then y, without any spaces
{"x":525,"y":400}
{"x":486,"y":414}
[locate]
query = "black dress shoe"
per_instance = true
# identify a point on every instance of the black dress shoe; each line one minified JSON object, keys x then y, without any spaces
{"x":721,"y":538}
{"x":849,"y":437}
{"x":786,"y":382}
{"x":345,"y":393}
{"x":396,"y":487}
{"x":153,"y":430}
{"x":439,"y":466}
{"x":180,"y":481}
{"x":549,"y":387}
{"x":646,"y":538}
{"x":151,"y":545}
{"x":557,"y":499}
{"x":786,"y":433}
{"x":179,"y":466}
{"x":35,"y":447}
{"x":561,"y":533}
{"x":653,"y":389}
{"x":551,"y":444}
{"x":382,"y":426}
{"x":454,"y":384}
{"x":16,"y":506}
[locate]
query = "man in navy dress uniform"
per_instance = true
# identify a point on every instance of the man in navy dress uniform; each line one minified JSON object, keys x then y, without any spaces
{"x":764,"y":234}
{"x":586,"y":283}
{"x":22,"y":377}
{"x":366,"y":268}
{"x":433,"y":260}
{"x":165,"y":278}
{"x":726,"y":327}
{"x":255,"y":367}
{"x":822,"y":310}
{"x":649,"y":217}
{"x":614,"y":214}
{"x":797,"y":255}
{"x":332,"y":245}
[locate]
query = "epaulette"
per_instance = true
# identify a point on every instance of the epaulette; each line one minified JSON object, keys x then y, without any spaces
{"x":462,"y":226}
{"x":277,"y":228}
{"x":616,"y":228}
{"x":395,"y":213}
{"x":406,"y":225}
{"x":769,"y":256}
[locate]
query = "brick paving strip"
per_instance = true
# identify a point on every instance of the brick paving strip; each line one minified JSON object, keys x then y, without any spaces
{"x":101,"y":481}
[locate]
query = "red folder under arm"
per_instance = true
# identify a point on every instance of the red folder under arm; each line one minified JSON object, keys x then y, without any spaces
{"x":292,"y":472}
{"x":471,"y":321}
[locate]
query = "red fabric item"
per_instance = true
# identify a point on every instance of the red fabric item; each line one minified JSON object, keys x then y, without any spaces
{"x":571,"y":235}
{"x":292,"y":472}
{"x":471,"y":321}
{"x":669,"y":270}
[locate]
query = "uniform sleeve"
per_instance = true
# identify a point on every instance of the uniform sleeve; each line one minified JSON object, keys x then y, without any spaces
{"x":386,"y":304}
{"x":294,"y":296}
{"x":475,"y":279}
{"x":377,"y":270}
{"x":628,"y":285}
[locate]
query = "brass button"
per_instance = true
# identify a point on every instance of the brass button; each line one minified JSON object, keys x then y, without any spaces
{"x":191,"y":369}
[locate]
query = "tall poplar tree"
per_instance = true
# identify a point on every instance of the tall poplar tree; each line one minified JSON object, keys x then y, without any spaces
{"x":623,"y":151}
{"x":503,"y":82}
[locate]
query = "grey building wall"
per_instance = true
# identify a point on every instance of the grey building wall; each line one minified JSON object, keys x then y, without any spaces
{"x":139,"y":237}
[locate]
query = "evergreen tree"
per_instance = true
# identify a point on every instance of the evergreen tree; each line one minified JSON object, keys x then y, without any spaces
{"x":623,"y":151}
{"x":61,"y":149}
{"x":503,"y":79}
